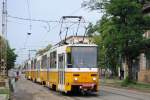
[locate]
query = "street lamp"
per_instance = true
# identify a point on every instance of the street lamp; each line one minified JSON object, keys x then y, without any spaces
{"x":29,"y":33}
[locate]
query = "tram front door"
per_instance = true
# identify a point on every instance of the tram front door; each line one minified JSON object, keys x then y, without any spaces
{"x":61,"y":72}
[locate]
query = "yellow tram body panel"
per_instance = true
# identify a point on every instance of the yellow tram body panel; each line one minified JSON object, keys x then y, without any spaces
{"x":26,"y":74}
{"x":36,"y":75}
{"x":80,"y":78}
{"x":43,"y":76}
{"x":32,"y":75}
{"x":52,"y":78}
{"x":29,"y":75}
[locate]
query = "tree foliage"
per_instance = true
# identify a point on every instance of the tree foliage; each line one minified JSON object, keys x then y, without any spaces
{"x":11,"y":57}
{"x":121,"y":30}
{"x":7,"y":53}
{"x":42,"y":51}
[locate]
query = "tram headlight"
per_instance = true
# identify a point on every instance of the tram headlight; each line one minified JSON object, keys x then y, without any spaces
{"x":75,"y":78}
{"x":94,"y":78}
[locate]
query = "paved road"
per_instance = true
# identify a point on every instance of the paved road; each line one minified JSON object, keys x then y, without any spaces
{"x":27,"y":90}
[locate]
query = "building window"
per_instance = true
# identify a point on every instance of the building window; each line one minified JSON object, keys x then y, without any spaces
{"x":148,"y":64}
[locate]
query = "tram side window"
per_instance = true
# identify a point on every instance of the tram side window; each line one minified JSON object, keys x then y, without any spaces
{"x":34,"y":67}
{"x":32,"y":64}
{"x":44,"y":62}
{"x":48,"y":62}
{"x":27,"y":66}
{"x":53,"y":59}
{"x":38,"y":64}
{"x":60,"y":57}
{"x":69,"y":62}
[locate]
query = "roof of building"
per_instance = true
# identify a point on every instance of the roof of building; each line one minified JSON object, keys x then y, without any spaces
{"x":71,"y":37}
{"x":79,"y":36}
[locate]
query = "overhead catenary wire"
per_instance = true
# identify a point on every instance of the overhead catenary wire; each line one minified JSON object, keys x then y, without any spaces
{"x":77,"y":10}
{"x":50,"y":29}
{"x":45,"y":21}
{"x":66,"y":29}
{"x":41,"y":20}
{"x":29,"y":13}
{"x":78,"y":26}
{"x":30,"y":24}
{"x":61,"y":21}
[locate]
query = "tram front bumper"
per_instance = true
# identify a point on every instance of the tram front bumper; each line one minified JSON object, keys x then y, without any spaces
{"x":85,"y":87}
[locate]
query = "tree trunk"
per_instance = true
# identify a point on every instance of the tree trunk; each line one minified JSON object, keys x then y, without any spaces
{"x":129,"y":64}
{"x":114,"y":71}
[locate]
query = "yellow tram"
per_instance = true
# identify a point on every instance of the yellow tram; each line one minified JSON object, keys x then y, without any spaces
{"x":66,"y":68}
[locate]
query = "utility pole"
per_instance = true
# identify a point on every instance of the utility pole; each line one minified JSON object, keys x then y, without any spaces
{"x":29,"y":55}
{"x":3,"y":44}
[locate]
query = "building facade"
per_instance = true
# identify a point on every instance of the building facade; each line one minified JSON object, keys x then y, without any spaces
{"x":144,"y":65}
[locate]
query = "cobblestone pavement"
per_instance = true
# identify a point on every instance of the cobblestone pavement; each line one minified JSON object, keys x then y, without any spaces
{"x":27,"y":90}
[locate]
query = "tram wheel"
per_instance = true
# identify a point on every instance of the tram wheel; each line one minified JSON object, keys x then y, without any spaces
{"x":54,"y":87}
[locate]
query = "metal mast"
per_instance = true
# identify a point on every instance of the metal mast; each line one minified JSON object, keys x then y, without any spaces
{"x":3,"y":37}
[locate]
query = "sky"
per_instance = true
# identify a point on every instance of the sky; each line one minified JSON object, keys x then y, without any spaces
{"x":42,"y":33}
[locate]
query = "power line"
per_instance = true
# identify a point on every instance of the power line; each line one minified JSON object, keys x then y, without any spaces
{"x":29,"y":13}
{"x":75,"y":11}
{"x":41,"y":20}
{"x":30,"y":25}
{"x":27,"y":19}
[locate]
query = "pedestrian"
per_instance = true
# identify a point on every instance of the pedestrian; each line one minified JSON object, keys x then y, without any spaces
{"x":121,"y":74}
{"x":12,"y":76}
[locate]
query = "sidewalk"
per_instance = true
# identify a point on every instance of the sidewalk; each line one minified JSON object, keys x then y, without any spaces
{"x":4,"y":90}
{"x":4,"y":93}
{"x":3,"y":97}
{"x":142,"y":87}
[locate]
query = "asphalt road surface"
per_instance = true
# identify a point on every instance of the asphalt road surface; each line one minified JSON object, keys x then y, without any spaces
{"x":27,"y":90}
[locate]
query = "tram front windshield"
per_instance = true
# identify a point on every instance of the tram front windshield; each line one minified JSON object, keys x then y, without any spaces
{"x":83,"y":57}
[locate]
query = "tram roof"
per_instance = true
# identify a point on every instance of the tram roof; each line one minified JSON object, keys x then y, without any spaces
{"x":76,"y":44}
{"x":84,"y":45}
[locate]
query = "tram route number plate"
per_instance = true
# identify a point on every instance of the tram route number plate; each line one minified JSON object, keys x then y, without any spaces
{"x":87,"y":85}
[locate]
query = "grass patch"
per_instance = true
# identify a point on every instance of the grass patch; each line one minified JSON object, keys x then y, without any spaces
{"x":127,"y":84}
{"x":4,"y":91}
{"x":141,"y":86}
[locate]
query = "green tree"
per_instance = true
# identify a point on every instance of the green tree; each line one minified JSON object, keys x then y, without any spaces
{"x":41,"y":51}
{"x":8,"y":53}
{"x":90,"y":30}
{"x":11,"y":57}
{"x":121,"y":29}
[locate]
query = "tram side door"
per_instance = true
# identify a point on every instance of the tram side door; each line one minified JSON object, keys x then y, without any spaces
{"x":38,"y":71}
{"x":61,"y":72}
{"x":48,"y":69}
